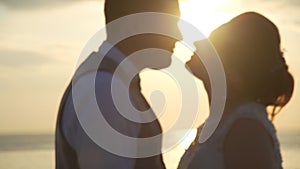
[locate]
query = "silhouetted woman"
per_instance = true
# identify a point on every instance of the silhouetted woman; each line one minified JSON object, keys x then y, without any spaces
{"x":257,"y":77}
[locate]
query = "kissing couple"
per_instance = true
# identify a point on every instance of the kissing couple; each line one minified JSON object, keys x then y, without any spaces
{"x":104,"y":121}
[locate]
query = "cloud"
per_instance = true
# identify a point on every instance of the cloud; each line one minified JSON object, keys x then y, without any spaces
{"x":289,"y":14}
{"x":295,"y":3}
{"x":35,"y":4}
{"x":275,"y":5}
{"x":22,"y":58}
{"x":284,"y":12}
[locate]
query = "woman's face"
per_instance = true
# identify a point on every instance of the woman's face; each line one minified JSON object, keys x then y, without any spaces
{"x":197,"y":68}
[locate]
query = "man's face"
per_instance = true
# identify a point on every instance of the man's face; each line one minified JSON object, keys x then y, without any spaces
{"x":162,"y":24}
{"x":167,"y":43}
{"x":166,"y":34}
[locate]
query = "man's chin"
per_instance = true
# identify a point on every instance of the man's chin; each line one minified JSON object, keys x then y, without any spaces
{"x":161,"y":65}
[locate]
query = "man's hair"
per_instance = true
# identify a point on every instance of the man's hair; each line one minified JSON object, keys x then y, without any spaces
{"x":115,"y":9}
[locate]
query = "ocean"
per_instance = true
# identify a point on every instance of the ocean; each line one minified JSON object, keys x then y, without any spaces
{"x":37,"y":151}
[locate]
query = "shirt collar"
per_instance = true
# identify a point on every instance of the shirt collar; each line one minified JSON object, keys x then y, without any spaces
{"x":112,"y":52}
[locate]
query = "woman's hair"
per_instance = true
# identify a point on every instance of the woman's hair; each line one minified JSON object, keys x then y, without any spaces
{"x":249,"y":45}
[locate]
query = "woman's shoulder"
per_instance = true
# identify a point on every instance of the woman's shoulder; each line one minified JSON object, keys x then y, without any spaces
{"x":250,"y":135}
{"x":250,"y":116}
{"x":247,"y":131}
{"x":251,"y":110}
{"x":248,"y":139}
{"x":249,"y":122}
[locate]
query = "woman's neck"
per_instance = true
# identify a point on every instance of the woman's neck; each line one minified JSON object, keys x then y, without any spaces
{"x":232,"y":100}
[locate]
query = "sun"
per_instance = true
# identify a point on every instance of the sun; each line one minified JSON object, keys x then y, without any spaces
{"x":206,"y":15}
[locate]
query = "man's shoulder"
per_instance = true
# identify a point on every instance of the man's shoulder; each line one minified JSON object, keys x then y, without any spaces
{"x":99,"y":81}
{"x":95,"y":76}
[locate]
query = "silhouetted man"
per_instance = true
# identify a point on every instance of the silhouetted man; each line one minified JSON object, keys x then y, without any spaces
{"x":74,"y":147}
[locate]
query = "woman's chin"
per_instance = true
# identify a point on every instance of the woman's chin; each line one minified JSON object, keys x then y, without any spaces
{"x":195,"y":69}
{"x":190,"y":66}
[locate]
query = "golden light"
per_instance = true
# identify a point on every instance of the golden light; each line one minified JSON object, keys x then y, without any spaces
{"x":207,"y":15}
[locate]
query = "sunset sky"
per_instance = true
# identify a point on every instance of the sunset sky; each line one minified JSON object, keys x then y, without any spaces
{"x":40,"y":42}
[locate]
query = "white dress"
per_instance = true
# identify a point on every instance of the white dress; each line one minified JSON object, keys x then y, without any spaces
{"x":209,"y":155}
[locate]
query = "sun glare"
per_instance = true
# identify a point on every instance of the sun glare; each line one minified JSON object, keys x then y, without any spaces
{"x":206,"y":15}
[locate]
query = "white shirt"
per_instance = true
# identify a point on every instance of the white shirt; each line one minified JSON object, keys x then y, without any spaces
{"x":90,"y":155}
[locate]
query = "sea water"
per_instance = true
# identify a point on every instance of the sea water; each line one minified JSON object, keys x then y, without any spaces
{"x":37,"y":151}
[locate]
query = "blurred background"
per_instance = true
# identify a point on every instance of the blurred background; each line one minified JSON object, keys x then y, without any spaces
{"x":40,"y":42}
